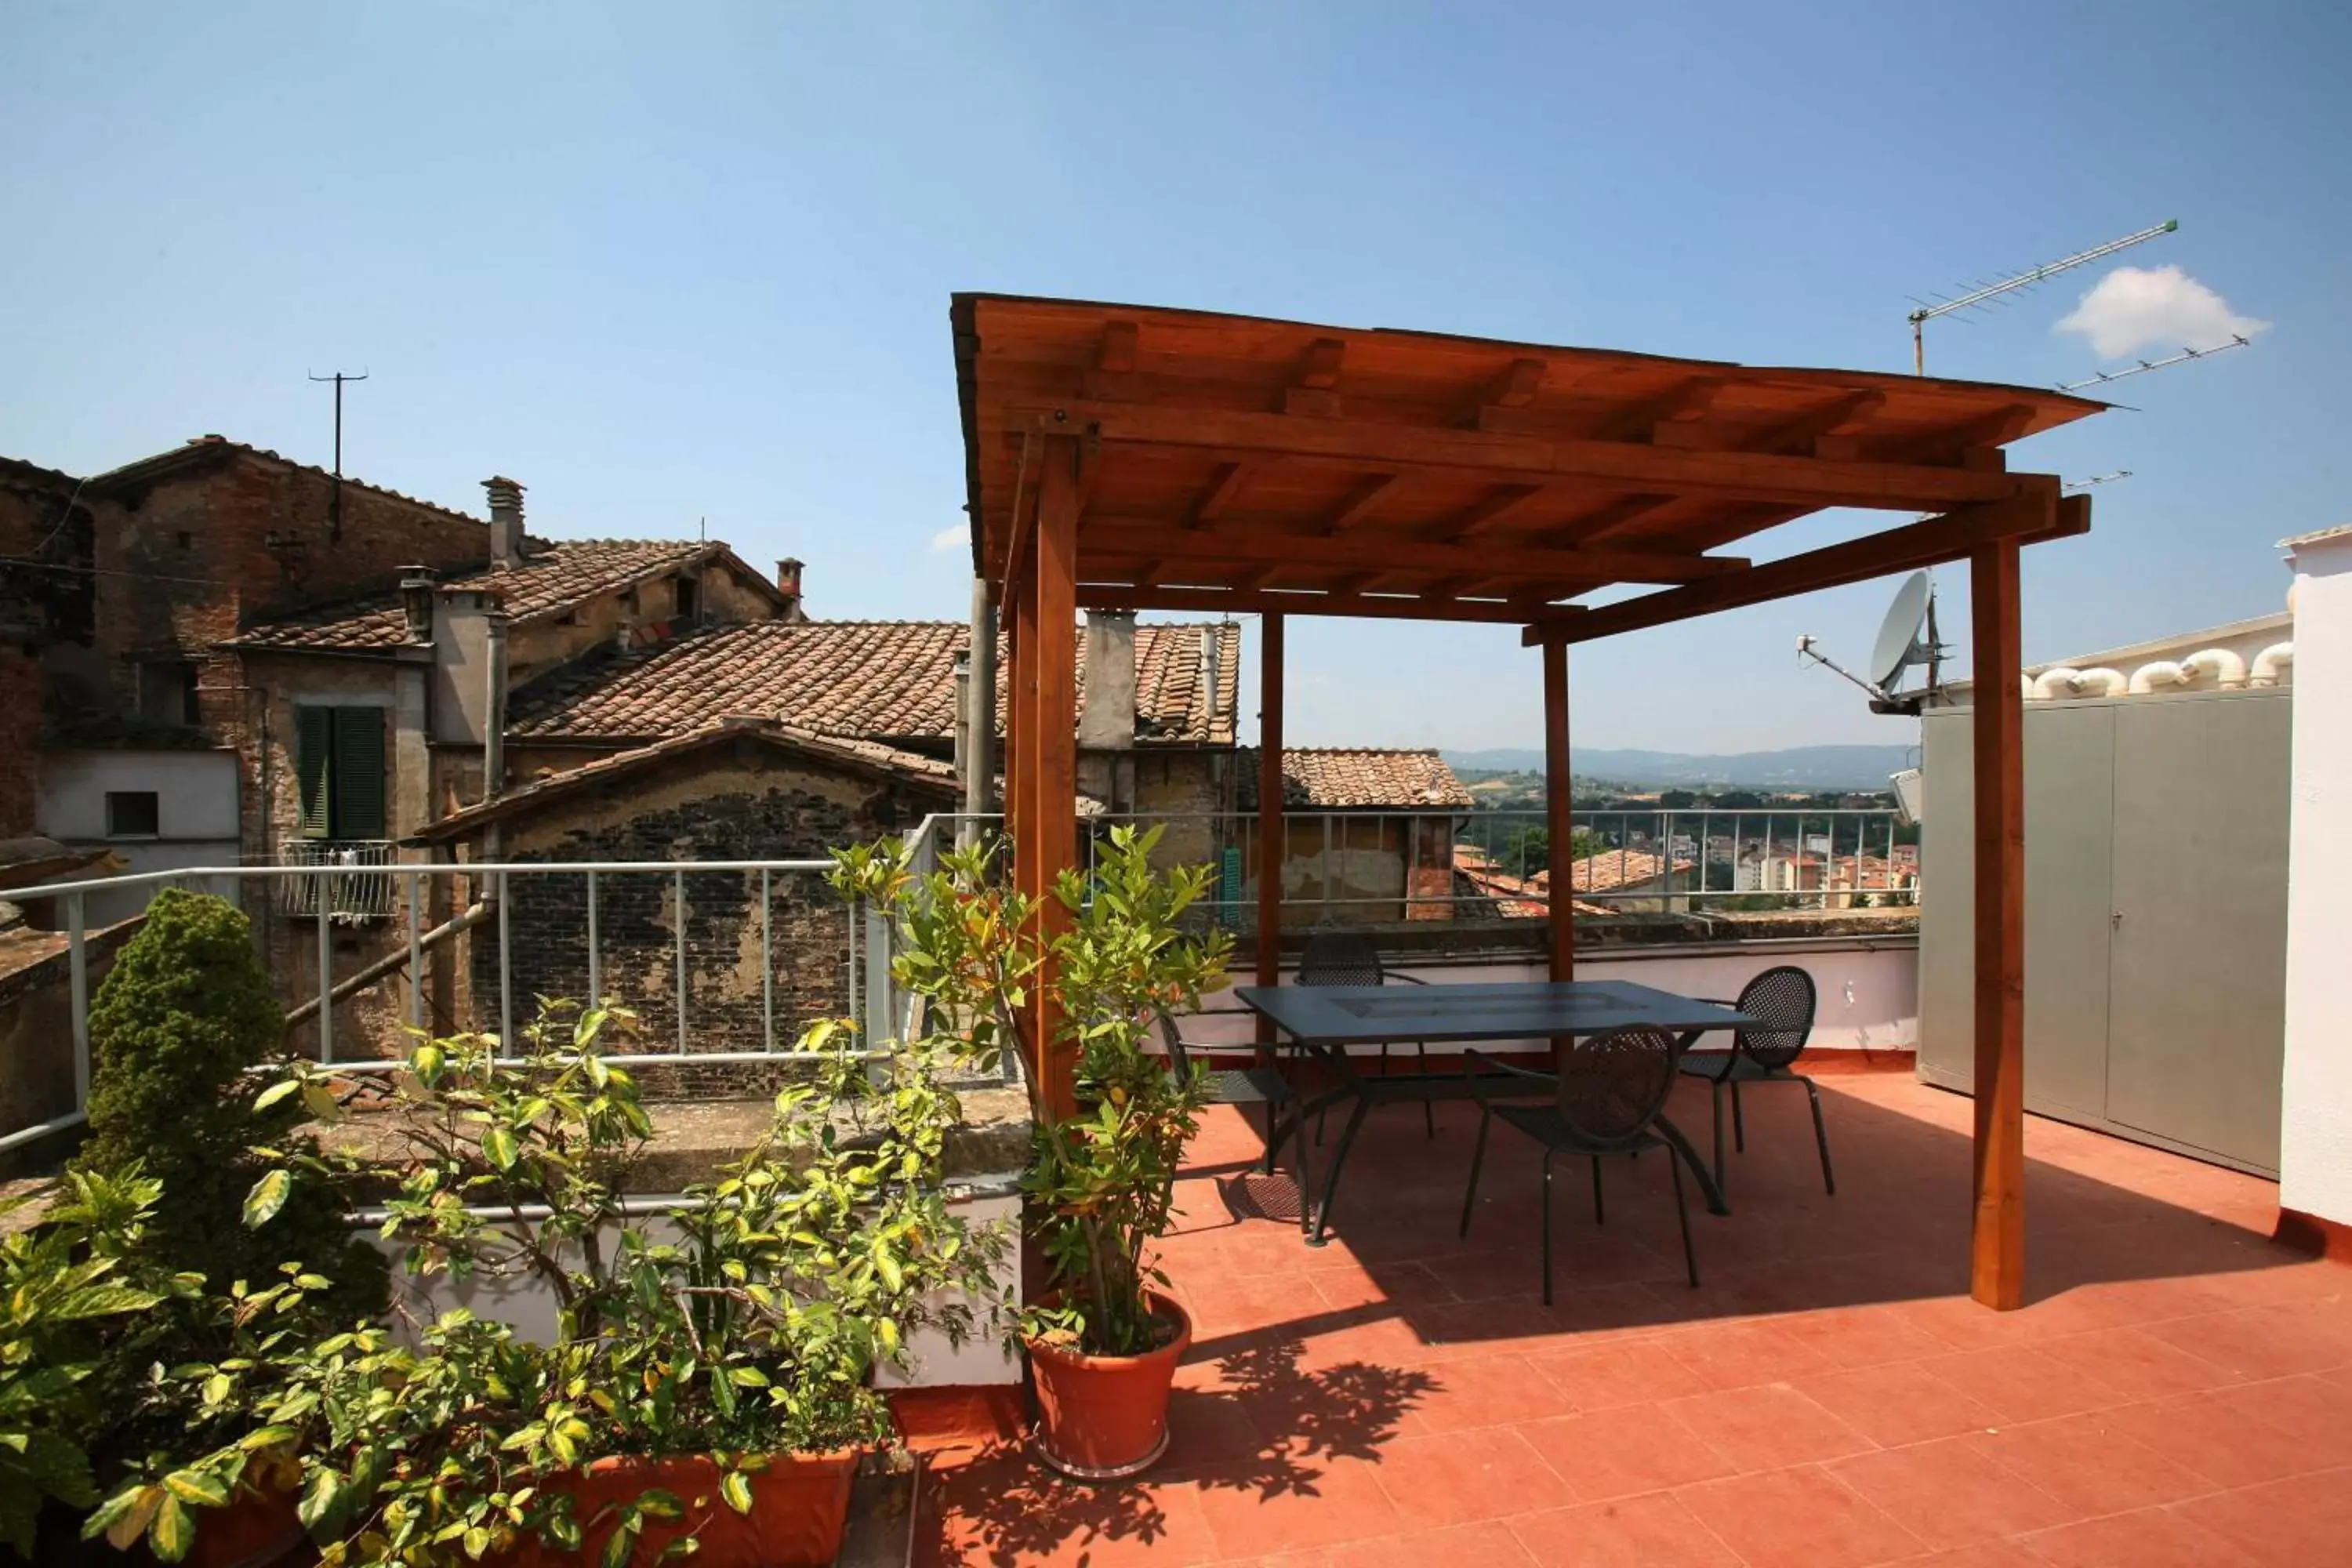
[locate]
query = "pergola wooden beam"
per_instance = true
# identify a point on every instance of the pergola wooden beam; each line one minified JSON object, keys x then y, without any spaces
{"x":1105,"y":537}
{"x":1997,"y":1250}
{"x":1957,"y":536}
{"x":1278,"y":601}
{"x":1480,"y":455}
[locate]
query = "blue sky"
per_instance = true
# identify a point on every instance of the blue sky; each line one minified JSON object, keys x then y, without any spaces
{"x":666,"y":264}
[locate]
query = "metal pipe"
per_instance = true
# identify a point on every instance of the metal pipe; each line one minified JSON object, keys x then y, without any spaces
{"x":494,"y":709}
{"x":505,"y":964}
{"x":77,"y":981}
{"x":677,"y":895}
{"x":415,"y":954}
{"x":768,"y":969}
{"x":326,"y":1007}
{"x":595,"y":960}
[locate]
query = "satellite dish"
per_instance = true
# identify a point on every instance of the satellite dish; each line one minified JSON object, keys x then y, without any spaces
{"x":1900,"y":645}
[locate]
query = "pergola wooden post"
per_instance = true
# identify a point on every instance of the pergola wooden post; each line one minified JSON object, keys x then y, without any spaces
{"x":1271,"y":847}
{"x":1559,"y":830}
{"x":1132,"y":457}
{"x":1997,"y":1257}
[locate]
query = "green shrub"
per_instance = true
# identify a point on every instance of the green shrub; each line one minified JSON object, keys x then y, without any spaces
{"x":186,"y":1011}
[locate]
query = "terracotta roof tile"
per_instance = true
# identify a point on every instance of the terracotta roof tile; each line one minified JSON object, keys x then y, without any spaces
{"x":884,"y":678}
{"x":1365,"y":778}
{"x":1615,"y":868}
{"x":554,"y":577}
{"x":910,"y":766}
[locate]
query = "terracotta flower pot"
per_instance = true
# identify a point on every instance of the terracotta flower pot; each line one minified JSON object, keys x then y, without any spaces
{"x":800,"y":1503}
{"x":257,"y":1528}
{"x":1106,"y":1416}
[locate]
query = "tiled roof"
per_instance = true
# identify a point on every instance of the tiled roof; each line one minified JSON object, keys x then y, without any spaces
{"x":1615,"y":868}
{"x":868,"y":756}
{"x":1357,"y":778}
{"x":197,"y":449}
{"x":890,"y":679}
{"x":1522,"y":898}
{"x":552,"y":578}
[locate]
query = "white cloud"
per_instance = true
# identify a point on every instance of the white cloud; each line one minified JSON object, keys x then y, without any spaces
{"x":955,"y":536}
{"x":2136,"y":307}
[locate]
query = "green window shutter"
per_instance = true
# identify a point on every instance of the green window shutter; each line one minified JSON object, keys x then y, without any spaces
{"x":314,"y":745}
{"x":358,"y":786}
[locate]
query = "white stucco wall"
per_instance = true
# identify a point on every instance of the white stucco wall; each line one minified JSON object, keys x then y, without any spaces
{"x":1869,"y":991}
{"x":195,"y":808}
{"x":2315,"y":1111}
{"x":932,"y":1360}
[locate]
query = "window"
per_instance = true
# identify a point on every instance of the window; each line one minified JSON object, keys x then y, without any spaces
{"x":339,"y":769}
{"x":687,"y":587}
{"x":167,"y":691}
{"x":132,"y":814}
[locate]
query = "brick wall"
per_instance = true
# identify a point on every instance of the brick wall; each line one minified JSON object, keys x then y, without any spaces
{"x":716,"y":804}
{"x":20,"y":721}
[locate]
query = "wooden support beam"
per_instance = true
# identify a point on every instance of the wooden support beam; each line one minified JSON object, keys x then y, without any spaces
{"x":1514,"y":387}
{"x":1500,"y":508}
{"x":1996,"y":1255}
{"x":1366,"y":605}
{"x":1269,"y":814}
{"x":1614,"y":518}
{"x":1052,"y":845}
{"x":1560,"y":829}
{"x":1111,"y":536}
{"x":1221,"y":496}
{"x":1479,"y":456}
{"x":1319,"y":365}
{"x":2029,"y":518}
{"x":1251,"y":581}
{"x":1955,"y":444}
{"x":1841,"y":415}
{"x":1366,"y":496}
{"x":1640,"y":421}
{"x":1119,"y":345}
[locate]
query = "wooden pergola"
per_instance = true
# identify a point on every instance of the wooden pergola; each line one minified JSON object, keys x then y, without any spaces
{"x":1125,"y":457}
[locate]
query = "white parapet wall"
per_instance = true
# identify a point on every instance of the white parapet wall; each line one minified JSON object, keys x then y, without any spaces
{"x":932,"y":1360}
{"x":2315,"y":1088}
{"x":1868,"y":986}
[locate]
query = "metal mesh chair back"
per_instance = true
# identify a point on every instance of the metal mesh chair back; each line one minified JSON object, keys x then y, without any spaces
{"x":1180,"y":1060}
{"x":1783,"y":998}
{"x":1612,"y":1085}
{"x":1340,"y":958}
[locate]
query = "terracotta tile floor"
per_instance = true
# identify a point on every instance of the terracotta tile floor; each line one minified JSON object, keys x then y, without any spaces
{"x":2179,"y":1392}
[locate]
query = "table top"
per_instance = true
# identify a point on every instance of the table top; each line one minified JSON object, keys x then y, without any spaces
{"x":1401,"y":1015}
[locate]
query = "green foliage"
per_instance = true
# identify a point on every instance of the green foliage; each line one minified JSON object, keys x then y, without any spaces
{"x":186,"y":1012}
{"x":63,"y":1284}
{"x":747,"y":1324}
{"x":1103,"y":1182}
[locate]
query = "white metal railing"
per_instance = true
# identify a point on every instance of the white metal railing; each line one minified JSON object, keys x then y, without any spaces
{"x":482,"y":896}
{"x":358,"y":897}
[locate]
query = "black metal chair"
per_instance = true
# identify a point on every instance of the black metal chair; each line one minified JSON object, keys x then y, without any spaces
{"x":1250,"y":1086}
{"x":1352,"y":958}
{"x":1783,"y":997}
{"x":1606,"y":1100}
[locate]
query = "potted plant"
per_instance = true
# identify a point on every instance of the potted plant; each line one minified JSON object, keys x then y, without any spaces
{"x":709,"y":1385}
{"x":1104,"y":1345}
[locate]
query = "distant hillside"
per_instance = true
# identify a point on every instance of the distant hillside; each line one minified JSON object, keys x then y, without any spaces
{"x":1808,"y":767}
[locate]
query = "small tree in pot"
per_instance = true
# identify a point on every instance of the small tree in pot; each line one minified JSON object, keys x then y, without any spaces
{"x":1103,"y":1347}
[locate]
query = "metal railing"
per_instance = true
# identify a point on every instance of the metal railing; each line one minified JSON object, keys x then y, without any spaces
{"x":358,"y":897}
{"x":482,"y":898}
{"x":1375,"y":865}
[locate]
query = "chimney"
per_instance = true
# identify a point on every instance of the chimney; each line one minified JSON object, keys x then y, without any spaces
{"x":788,"y":583}
{"x":416,"y":602}
{"x":1107,"y":723}
{"x":506,"y":521}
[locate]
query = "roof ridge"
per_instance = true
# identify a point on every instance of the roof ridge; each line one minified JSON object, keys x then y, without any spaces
{"x":223,"y":444}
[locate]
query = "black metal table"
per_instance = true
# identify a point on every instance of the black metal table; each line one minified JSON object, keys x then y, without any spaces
{"x":1324,"y":1020}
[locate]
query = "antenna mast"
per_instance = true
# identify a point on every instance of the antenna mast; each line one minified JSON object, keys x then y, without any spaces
{"x":335,"y":496}
{"x":1976,"y":298}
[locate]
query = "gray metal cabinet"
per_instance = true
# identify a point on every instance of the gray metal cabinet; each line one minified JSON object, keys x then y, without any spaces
{"x":2156,"y":835}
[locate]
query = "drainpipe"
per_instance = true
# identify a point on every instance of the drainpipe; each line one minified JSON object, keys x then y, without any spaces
{"x":979,"y":709}
{"x":494,"y":711}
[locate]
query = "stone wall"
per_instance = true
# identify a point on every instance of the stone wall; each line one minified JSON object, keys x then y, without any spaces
{"x":36,"y":1041}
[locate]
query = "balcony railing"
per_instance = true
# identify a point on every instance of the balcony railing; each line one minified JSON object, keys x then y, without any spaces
{"x":358,"y":897}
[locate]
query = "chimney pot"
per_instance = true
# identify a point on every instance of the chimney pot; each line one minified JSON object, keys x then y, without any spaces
{"x":416,"y":602}
{"x":788,"y":583}
{"x":506,"y":521}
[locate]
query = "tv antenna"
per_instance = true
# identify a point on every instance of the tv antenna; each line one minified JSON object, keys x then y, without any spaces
{"x":2237,"y":342}
{"x":1905,"y":638}
{"x":335,"y":496}
{"x":2078,"y":485}
{"x":1983,"y":294}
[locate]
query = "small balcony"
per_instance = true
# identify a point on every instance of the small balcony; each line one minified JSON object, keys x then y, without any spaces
{"x":369,"y":893}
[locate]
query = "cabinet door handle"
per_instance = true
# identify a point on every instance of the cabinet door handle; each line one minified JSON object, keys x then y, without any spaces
{"x":2116,"y":919}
